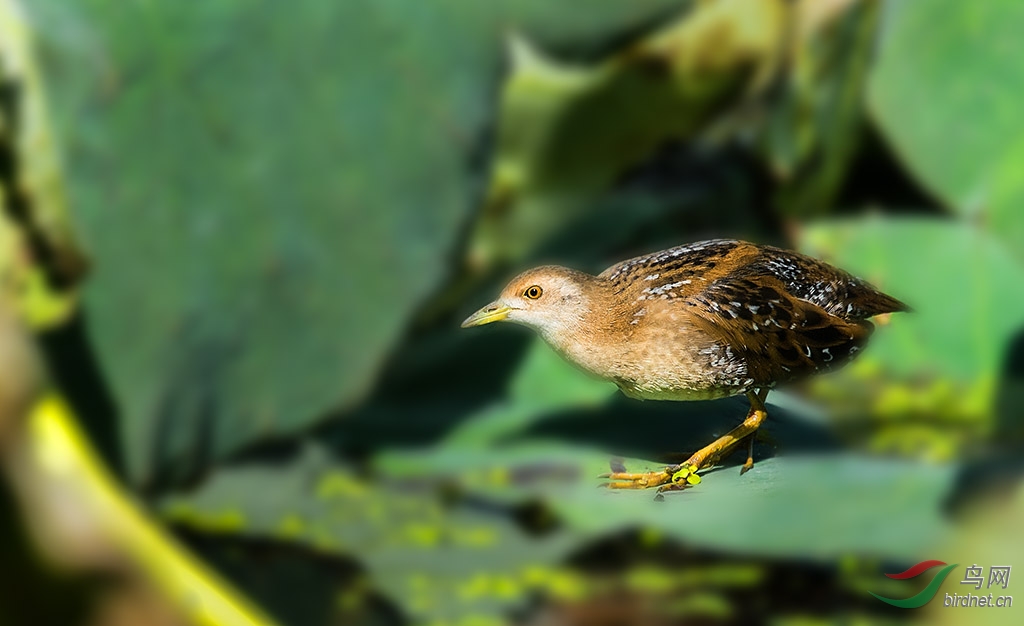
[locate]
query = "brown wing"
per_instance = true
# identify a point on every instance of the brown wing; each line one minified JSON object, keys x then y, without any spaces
{"x":832,"y":289}
{"x":757,"y":327}
{"x":675,"y":273}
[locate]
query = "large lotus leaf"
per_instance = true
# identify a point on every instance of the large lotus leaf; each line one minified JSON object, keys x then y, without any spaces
{"x":271,"y":190}
{"x":946,"y":92}
{"x":455,"y":538}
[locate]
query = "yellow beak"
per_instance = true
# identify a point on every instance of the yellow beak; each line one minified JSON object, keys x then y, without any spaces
{"x":493,"y":312}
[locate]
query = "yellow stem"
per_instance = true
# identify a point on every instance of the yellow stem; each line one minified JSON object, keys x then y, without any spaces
{"x":61,"y":453}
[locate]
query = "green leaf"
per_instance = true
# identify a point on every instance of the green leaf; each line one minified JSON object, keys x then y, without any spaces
{"x":271,"y":192}
{"x":960,"y":281}
{"x":946,"y":92}
{"x":862,"y":505}
{"x":927,"y":384}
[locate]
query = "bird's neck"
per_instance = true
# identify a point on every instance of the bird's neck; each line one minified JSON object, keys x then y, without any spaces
{"x":581,"y":339}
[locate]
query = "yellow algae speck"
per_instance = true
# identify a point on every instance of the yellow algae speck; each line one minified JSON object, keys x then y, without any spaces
{"x":650,"y":579}
{"x":424,"y":535}
{"x":498,"y":477}
{"x":566,"y":585}
{"x":481,"y":620}
{"x":225,"y":520}
{"x":475,"y":587}
{"x":291,"y":526}
{"x":337,"y":484}
{"x":474,"y":537}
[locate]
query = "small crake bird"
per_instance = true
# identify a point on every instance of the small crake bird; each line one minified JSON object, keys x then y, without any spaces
{"x":706,"y":320}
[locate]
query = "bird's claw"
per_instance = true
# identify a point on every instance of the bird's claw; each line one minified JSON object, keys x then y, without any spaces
{"x":747,"y":466}
{"x":671,"y":478}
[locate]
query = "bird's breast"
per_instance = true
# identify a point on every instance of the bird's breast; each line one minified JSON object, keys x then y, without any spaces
{"x":659,"y":359}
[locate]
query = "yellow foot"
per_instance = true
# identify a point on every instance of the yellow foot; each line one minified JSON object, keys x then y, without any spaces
{"x":677,"y":477}
{"x":673,"y":478}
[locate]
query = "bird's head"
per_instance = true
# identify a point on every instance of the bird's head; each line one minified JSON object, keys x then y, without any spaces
{"x":551,"y":300}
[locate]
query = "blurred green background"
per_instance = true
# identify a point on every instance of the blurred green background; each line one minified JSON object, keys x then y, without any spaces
{"x":288,"y":208}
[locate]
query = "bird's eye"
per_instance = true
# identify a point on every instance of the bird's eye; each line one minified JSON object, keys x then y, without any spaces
{"x":533,"y":292}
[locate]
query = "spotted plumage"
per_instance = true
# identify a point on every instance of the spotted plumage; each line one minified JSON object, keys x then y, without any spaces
{"x":756,"y":316}
{"x":701,"y":321}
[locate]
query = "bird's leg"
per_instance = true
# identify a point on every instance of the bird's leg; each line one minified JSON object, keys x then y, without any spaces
{"x":749,"y":463}
{"x":710,"y":454}
{"x":686,"y":473}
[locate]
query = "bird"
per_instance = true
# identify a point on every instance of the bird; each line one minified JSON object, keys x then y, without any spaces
{"x":700,"y":321}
